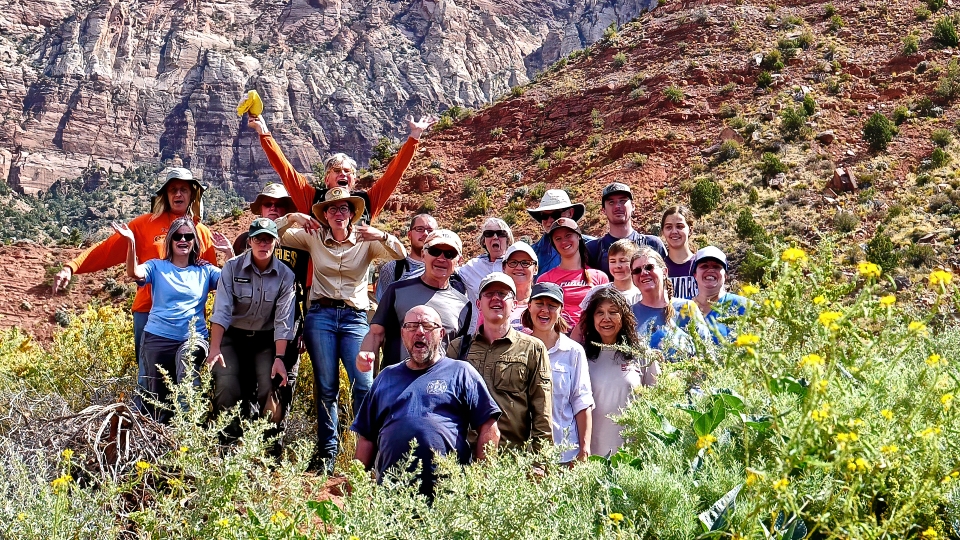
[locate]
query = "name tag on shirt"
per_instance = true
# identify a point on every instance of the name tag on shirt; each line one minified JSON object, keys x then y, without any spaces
{"x":241,"y":280}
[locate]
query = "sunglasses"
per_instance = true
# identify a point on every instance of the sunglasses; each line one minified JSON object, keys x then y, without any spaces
{"x":273,"y":204}
{"x":555,"y":215}
{"x":449,"y":254}
{"x":649,"y":267}
{"x":502,"y":295}
{"x":177,"y":237}
{"x":523,"y":264}
{"x":491,"y":234}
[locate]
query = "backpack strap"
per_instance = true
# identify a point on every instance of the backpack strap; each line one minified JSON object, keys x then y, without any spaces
{"x":464,"y":350}
{"x":399,"y":268}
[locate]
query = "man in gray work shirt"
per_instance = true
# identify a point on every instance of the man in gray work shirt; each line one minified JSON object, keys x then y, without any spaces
{"x":252,"y":323}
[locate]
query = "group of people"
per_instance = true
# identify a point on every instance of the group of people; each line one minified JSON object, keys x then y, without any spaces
{"x":521,"y":346}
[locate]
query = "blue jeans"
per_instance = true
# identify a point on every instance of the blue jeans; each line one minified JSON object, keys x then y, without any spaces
{"x":139,"y":323}
{"x":332,"y":335}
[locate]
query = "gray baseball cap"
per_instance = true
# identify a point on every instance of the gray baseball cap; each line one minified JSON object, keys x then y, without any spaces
{"x":497,"y":277}
{"x":615,"y":187}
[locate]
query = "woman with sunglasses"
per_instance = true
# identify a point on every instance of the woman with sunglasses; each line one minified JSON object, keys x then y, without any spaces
{"x":572,"y":274}
{"x":180,"y":283}
{"x":495,"y":237}
{"x":676,"y":224}
{"x":336,"y":323}
{"x":614,"y":374}
{"x":572,"y":393}
{"x":661,"y":318}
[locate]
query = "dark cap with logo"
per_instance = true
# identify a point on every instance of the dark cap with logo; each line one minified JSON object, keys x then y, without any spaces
{"x":263,"y":226}
{"x":614,"y":188}
{"x":547,"y":290}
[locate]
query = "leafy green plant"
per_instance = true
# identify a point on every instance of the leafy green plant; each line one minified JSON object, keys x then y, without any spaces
{"x":845,"y":222}
{"x":773,"y":60}
{"x":673,"y":93}
{"x":496,"y":132}
{"x":920,"y":255}
{"x":705,"y":196}
{"x":911,"y":45}
{"x":901,"y":114}
{"x":479,"y":205}
{"x":948,"y":87}
{"x":941,"y":137}
{"x":878,"y":131}
{"x":729,"y":149}
{"x":770,"y":165}
{"x":619,"y":60}
{"x":945,"y":32}
{"x":921,"y":13}
{"x":471,"y":186}
{"x":882,"y":252}
{"x":538,"y":152}
{"x":747,"y":227}
{"x":809,"y":104}
{"x":836,"y":23}
{"x":792,"y":122}
{"x":939,"y":158}
{"x":936,"y":5}
{"x":764,"y":79}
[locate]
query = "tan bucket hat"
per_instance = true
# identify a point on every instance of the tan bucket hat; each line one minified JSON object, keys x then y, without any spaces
{"x":181,"y":173}
{"x":556,"y":199}
{"x":273,"y":191}
{"x":335,"y":195}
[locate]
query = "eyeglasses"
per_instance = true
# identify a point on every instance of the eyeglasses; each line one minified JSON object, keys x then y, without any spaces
{"x":427,"y":326}
{"x":262,"y":239}
{"x":339,"y":209}
{"x":340,"y":170}
{"x":523,"y":264}
{"x":649,"y":267}
{"x":555,"y":215}
{"x":449,"y":254}
{"x":177,"y":237}
{"x":420,"y":229}
{"x":502,"y":295}
{"x":491,"y":234}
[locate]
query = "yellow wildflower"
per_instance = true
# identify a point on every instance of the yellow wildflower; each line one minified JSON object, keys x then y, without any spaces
{"x":749,"y":290}
{"x":793,"y":255}
{"x":781,"y":484}
{"x":354,"y":537}
{"x":868,"y":270}
{"x":930,"y":432}
{"x":929,"y":533}
{"x":918,"y":328}
{"x":858,"y":465}
{"x":62,"y":483}
{"x":855,"y":423}
{"x":706,"y":441}
{"x":950,"y":477}
{"x":746,"y":339}
{"x":829,"y":319}
{"x":183,"y":449}
{"x":940,"y":277}
{"x":812,"y":360}
{"x":888,"y":300}
{"x":933,"y":360}
{"x":223,"y":522}
{"x":946,"y":399}
{"x":847,"y":437}
{"x":21,"y":516}
{"x":142,"y":466}
{"x":752,"y":478}
{"x":616,"y":517}
{"x":821,"y":414}
{"x":887,"y":413}
{"x":889,"y":449}
{"x":820,"y":299}
{"x":820,"y":386}
{"x":278,"y":517}
{"x":67,"y":454}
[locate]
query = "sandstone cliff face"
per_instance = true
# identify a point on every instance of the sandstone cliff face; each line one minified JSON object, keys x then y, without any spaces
{"x":124,"y":81}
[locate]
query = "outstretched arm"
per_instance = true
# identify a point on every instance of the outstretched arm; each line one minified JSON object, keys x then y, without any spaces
{"x":297,"y":184}
{"x":133,"y":269}
{"x":383,"y":189}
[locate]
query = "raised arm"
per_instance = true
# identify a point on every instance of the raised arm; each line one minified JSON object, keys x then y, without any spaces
{"x":133,"y":269}
{"x":298,"y":186}
{"x":383,"y":189}
{"x":370,"y":347}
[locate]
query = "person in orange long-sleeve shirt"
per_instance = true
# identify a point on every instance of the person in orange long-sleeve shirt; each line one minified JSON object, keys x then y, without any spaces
{"x":179,"y":195}
{"x":341,"y":170}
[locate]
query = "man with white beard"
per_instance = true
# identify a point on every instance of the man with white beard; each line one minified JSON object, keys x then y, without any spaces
{"x":430,"y":399}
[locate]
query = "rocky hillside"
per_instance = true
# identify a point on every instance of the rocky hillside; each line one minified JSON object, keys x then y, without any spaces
{"x":121,"y":82}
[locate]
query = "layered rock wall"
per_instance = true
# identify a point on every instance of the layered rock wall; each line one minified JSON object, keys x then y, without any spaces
{"x":117,"y":82}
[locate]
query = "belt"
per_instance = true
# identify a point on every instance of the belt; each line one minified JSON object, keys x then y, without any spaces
{"x":247,"y":333}
{"x":331,"y":303}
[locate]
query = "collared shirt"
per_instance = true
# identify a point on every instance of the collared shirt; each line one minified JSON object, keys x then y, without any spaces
{"x":254,"y":300}
{"x":516,"y":370}
{"x":572,"y":393}
{"x":473,"y":273}
{"x":340,"y":268}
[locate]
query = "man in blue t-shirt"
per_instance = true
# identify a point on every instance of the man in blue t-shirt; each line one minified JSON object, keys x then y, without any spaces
{"x":617,"y":204}
{"x":430,"y":399}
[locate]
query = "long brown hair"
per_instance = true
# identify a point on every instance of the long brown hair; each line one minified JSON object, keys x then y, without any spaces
{"x":194,"y":255}
{"x":583,"y":257}
{"x":526,"y":319}
{"x":687,"y":215}
{"x":650,"y":253}
{"x":628,"y":322}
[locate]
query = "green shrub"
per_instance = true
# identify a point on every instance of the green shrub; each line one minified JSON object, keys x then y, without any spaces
{"x":479,"y":205}
{"x":673,"y":94}
{"x":829,"y":10}
{"x":900,"y":114}
{"x":428,"y":206}
{"x":921,"y":13}
{"x":770,"y":165}
{"x":773,"y":60}
{"x":845,"y":222}
{"x":543,"y":164}
{"x":941,"y":137}
{"x":445,"y":122}
{"x":936,"y":5}
{"x":727,"y":110}
{"x":945,"y":32}
{"x":596,"y":118}
{"x":537,"y":191}
{"x":517,"y":91}
{"x":920,"y":255}
{"x":538,"y":152}
{"x":747,"y":227}
{"x":619,"y":60}
{"x":792,"y":120}
{"x":496,"y":132}
{"x":729,"y":149}
{"x":879,"y":131}
{"x":753,"y":197}
{"x":882,"y":252}
{"x":911,"y":45}
{"x":836,"y":23}
{"x":809,"y":104}
{"x":939,"y":158}
{"x":705,"y":196}
{"x":764,"y":79}
{"x":470,"y":187}
{"x":948,"y":87}
{"x":805,"y":40}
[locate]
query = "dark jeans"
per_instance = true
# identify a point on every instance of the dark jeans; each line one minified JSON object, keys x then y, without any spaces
{"x":139,"y":323}
{"x":245,"y":376}
{"x":159,"y":352}
{"x":333,"y":335}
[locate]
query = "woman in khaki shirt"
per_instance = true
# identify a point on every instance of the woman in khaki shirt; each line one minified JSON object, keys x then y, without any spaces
{"x":336,"y":322}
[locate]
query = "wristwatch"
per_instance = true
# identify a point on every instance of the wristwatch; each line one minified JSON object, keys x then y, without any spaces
{"x":278,"y":357}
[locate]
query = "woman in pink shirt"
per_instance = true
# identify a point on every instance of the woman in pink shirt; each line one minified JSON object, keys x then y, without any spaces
{"x":572,"y":275}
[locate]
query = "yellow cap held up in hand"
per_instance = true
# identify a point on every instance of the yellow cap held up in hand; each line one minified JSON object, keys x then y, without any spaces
{"x":251,"y":104}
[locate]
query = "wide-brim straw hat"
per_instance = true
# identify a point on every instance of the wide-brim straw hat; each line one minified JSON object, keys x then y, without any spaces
{"x":272,"y":191}
{"x":335,"y":195}
{"x":556,"y":199}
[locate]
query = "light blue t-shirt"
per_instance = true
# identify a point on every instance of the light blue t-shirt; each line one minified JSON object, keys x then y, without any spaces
{"x":728,"y":305}
{"x":686,"y":317}
{"x":179,"y":294}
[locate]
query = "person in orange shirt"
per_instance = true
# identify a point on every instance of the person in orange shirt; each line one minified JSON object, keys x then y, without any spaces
{"x":178,"y":196}
{"x":340,"y":170}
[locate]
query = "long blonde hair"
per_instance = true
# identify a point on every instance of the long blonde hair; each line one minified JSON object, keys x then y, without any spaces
{"x":161,"y":204}
{"x":651,"y":254}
